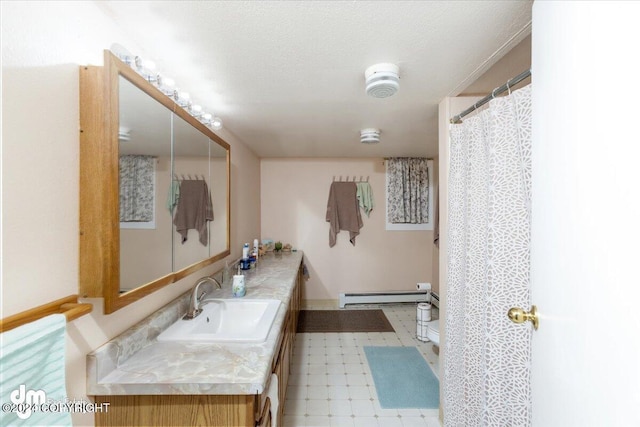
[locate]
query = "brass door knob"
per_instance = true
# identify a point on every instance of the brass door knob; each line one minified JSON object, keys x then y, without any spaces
{"x":518,"y":315}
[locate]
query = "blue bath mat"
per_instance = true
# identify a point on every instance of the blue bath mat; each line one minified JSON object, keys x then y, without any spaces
{"x":402,"y":378}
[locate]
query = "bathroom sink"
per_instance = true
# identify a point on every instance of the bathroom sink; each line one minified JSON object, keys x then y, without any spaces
{"x":226,"y":320}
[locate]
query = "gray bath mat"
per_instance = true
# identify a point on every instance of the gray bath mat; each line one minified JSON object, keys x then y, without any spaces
{"x":343,"y":321}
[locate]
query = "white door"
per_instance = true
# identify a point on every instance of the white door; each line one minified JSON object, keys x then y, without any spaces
{"x":585,"y":259}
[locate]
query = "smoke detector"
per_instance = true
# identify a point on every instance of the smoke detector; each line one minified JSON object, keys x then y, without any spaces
{"x":124,"y":134}
{"x":370,"y":136}
{"x":382,"y":80}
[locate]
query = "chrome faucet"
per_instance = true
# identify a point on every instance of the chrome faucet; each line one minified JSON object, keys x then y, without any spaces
{"x":194,"y":309}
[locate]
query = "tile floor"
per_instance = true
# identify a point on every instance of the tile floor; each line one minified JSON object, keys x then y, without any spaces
{"x":331,"y":383}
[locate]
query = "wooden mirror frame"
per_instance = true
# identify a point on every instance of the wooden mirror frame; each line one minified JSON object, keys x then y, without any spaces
{"x":99,"y":269}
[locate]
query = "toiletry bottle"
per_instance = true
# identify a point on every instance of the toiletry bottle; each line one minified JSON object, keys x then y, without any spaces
{"x":238,"y":288}
{"x":253,"y":254}
{"x":244,"y":262}
{"x":253,"y":259}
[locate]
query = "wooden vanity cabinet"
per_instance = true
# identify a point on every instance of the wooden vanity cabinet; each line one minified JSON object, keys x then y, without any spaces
{"x":265,"y":416}
{"x":282,"y":362}
{"x":210,"y":410}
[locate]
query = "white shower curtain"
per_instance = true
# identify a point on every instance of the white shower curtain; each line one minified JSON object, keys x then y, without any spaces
{"x":486,"y":356}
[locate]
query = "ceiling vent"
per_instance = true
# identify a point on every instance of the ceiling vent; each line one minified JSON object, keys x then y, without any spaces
{"x":382,"y":80}
{"x":124,"y":134}
{"x":369,"y":136}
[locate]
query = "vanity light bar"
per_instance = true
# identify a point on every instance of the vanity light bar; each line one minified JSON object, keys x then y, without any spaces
{"x":166,"y":85}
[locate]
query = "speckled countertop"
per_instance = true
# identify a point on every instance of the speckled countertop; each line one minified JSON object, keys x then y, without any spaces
{"x":136,"y":363}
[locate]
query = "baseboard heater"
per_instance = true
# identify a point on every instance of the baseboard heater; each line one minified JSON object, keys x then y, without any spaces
{"x":435,"y":299}
{"x":382,"y":297}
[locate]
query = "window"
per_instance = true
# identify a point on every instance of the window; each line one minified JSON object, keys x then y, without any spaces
{"x":428,"y":225}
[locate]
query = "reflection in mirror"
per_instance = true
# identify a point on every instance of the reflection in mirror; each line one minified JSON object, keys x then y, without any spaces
{"x":145,"y":175}
{"x":200,"y":217}
{"x":194,"y":211}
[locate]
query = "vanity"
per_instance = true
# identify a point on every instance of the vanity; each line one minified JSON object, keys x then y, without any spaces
{"x":149,"y":382}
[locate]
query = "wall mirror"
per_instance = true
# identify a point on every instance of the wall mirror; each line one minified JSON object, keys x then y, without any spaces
{"x":146,"y":167}
{"x":144,"y":170}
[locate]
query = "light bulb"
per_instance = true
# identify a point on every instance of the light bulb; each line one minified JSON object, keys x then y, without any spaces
{"x":206,"y":118}
{"x":182,"y":98}
{"x":144,"y":64}
{"x":149,"y":65}
{"x":122,"y":53}
{"x":216,"y":123}
{"x":166,"y":85}
{"x":195,"y":110}
{"x":146,"y":68}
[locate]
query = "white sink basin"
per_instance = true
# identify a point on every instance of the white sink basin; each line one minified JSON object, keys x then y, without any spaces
{"x":226,"y":320}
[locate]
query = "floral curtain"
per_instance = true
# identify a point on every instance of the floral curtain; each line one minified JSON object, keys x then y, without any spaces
{"x":486,"y":356}
{"x":407,"y":190}
{"x":137,"y":188}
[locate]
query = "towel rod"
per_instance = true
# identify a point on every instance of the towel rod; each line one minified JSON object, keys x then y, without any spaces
{"x":69,"y":306}
{"x":201,"y":177}
{"x":390,"y":158}
{"x":354,"y":179}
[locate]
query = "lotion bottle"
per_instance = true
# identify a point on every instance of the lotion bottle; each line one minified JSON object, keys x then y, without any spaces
{"x":238,"y":288}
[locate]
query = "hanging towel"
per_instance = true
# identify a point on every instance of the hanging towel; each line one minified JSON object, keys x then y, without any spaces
{"x":365,"y":197}
{"x":343,"y":212}
{"x":272,"y":394}
{"x":194,"y":209}
{"x":32,"y":363}
{"x":137,"y":188}
{"x":174,"y":195}
{"x":305,"y":271}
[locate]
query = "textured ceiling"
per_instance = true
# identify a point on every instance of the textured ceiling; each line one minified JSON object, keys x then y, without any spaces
{"x":287,"y":77}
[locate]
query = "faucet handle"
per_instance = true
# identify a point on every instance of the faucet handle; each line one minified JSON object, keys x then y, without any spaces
{"x":192,"y":314}
{"x":201,"y":296}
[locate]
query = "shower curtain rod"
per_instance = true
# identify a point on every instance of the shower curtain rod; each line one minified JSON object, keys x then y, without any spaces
{"x":497,"y":91}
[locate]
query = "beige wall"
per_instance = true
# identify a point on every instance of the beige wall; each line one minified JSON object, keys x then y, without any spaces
{"x":294,"y":202}
{"x":510,"y":65}
{"x":145,"y":254}
{"x":40,"y":173}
